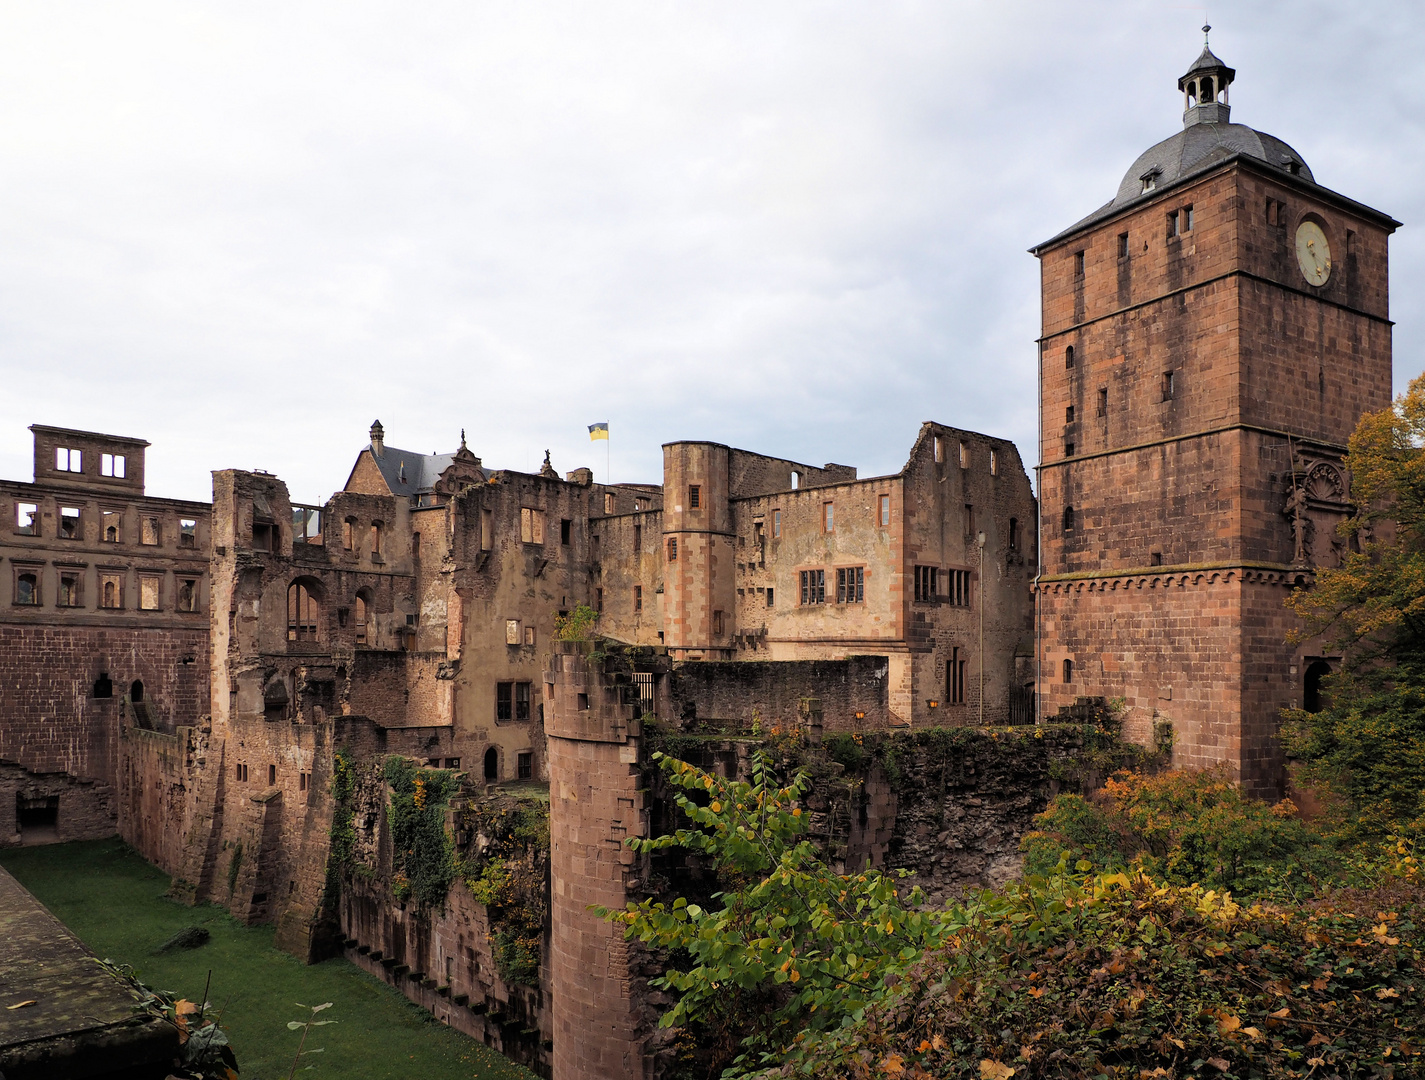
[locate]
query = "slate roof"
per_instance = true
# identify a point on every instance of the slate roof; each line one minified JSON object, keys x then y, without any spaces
{"x":420,"y":471}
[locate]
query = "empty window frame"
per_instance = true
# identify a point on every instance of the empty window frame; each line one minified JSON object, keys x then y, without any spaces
{"x":1068,"y":356}
{"x":187,"y":533}
{"x":240,"y":773}
{"x":828,"y":518}
{"x":66,"y":460}
{"x":112,"y":465}
{"x":850,"y":585}
{"x":1069,"y":414}
{"x":187,"y":594}
{"x":964,"y":456}
{"x":376,"y":536}
{"x":926,"y":584}
{"x":957,"y":587}
{"x":610,"y":502}
{"x":303,"y":613}
{"x":1123,"y":245}
{"x":1069,"y":519}
{"x":150,"y":531}
{"x":1069,"y":448}
{"x":770,"y":602}
{"x":150,"y":592}
{"x":27,"y":586}
{"x":363,"y":614}
{"x":69,"y":523}
{"x":112,"y":527}
{"x":638,"y":539}
{"x":695,"y":496}
{"x":271,"y":775}
{"x":1169,"y":386}
{"x":885,"y":511}
{"x":994,"y":463}
{"x":348,"y":534}
{"x":1078,"y":266}
{"x":111,"y":591}
{"x":955,"y":677}
{"x":531,"y":525}
{"x":306,"y":525}
{"x":673,"y":549}
{"x":638,"y":598}
{"x":71,"y":588}
{"x":512,"y":631}
{"x":776,"y":524}
{"x":262,"y":535}
{"x":524,"y":765}
{"x":813,"y":586}
{"x":27,"y":519}
{"x":1179,"y":222}
{"x":1013,"y":534}
{"x":1102,"y":401}
{"x":642,"y":504}
{"x":939,"y":445}
{"x":598,"y":599}
{"x":566,"y":531}
{"x":717,"y":623}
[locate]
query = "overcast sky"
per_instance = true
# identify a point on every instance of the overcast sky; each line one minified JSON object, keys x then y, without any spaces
{"x":243,"y":231}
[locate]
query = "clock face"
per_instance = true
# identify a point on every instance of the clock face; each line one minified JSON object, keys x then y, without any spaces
{"x":1313,"y":254}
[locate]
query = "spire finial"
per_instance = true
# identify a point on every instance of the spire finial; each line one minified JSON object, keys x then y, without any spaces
{"x":1206,"y":29}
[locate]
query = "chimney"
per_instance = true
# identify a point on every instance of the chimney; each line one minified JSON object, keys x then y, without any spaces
{"x":378,"y":440}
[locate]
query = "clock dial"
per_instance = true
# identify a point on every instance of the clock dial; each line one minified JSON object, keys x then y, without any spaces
{"x":1313,"y":253}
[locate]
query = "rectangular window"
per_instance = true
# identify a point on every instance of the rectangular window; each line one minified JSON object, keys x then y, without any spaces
{"x":970,"y":529}
{"x":149,"y":531}
{"x":598,"y":599}
{"x":71,"y":588}
{"x":69,"y":523}
{"x":1069,"y":448}
{"x":262,"y":536}
{"x":1187,"y":219}
{"x":776,"y":524}
{"x":964,"y":456}
{"x":769,"y":597}
{"x":27,"y":587}
{"x":939,"y":449}
{"x":717,"y":623}
{"x":827,"y":520}
{"x":1013,"y":534}
{"x":1123,"y":245}
{"x":957,"y":585}
{"x":850,"y":585}
{"x":955,"y":678}
{"x":673,"y":549}
{"x":1079,"y":265}
{"x":512,"y":632}
{"x":111,"y":465}
{"x":111,"y":591}
{"x":150,"y":586}
{"x":1103,"y":401}
{"x":695,"y":496}
{"x":452,"y":763}
{"x":522,"y":701}
{"x":994,"y":463}
{"x":525,"y":766}
{"x":1155,"y":558}
{"x":1069,"y":415}
{"x":813,"y":586}
{"x":609,"y":502}
{"x":638,"y":539}
{"x":66,"y":460}
{"x":642,"y":504}
{"x":112,"y":527}
{"x":566,"y":529}
{"x":1173,"y":229}
{"x":1068,"y":671}
{"x":926,"y":582}
{"x":505,"y":701}
{"x":638,"y":598}
{"x":240,"y":773}
{"x":885,"y":510}
{"x":187,"y":533}
{"x":1168,"y":386}
{"x":304,"y":781}
{"x":27,"y":519}
{"x":271,"y":775}
{"x":531,"y":525}
{"x":188,"y":594}
{"x":487,"y":530}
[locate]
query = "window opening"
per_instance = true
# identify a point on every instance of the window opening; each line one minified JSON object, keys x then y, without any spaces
{"x":1068,"y":671}
{"x":638,"y":598}
{"x":717,"y":623}
{"x":149,"y":531}
{"x":1068,"y":449}
{"x":522,"y":701}
{"x":262,"y":535}
{"x":27,"y":519}
{"x":1187,"y":219}
{"x":566,"y":530}
{"x":926,"y":584}
{"x":1123,"y":245}
{"x":1068,"y":519}
{"x":361,"y":619}
{"x":1155,"y":558}
{"x":505,"y":701}
{"x":307,"y":525}
{"x":955,"y":677}
{"x":136,"y":690}
{"x":939,"y":449}
{"x":27,"y":588}
{"x":796,"y":480}
{"x":964,"y":456}
{"x":66,"y":460}
{"x":113,"y":532}
{"x":885,"y":510}
{"x":376,"y":529}
{"x":525,"y":764}
{"x":598,"y":599}
{"x":271,"y":775}
{"x":994,"y":463}
{"x":813,"y":586}
{"x":776,"y":524}
{"x":1168,"y":385}
{"x":240,"y":773}
{"x":673,"y":549}
{"x":187,"y":532}
{"x":187,"y":594}
{"x":1079,"y":265}
{"x":1313,"y":698}
{"x":111,"y":591}
{"x":104,"y":686}
{"x":531,"y":525}
{"x":112,"y":465}
{"x":70,"y":582}
{"x":769,"y":597}
{"x":1069,"y":356}
{"x":492,"y":764}
{"x":695,"y":496}
{"x":69,"y":523}
{"x":149,"y":587}
{"x":850,"y":585}
{"x":609,"y":502}
{"x":827,"y":518}
{"x":638,"y":539}
{"x":303,"y":613}
{"x":1069,"y":415}
{"x":1102,"y":401}
{"x":1013,"y":534}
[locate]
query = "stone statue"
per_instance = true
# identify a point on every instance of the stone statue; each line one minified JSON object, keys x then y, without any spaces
{"x":1295,"y":509}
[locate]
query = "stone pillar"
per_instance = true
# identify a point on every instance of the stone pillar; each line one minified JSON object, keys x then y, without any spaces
{"x":594,"y":804}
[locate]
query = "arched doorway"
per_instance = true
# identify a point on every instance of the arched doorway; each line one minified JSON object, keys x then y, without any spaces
{"x":136,"y":690}
{"x":492,"y":764}
{"x":1313,"y":699}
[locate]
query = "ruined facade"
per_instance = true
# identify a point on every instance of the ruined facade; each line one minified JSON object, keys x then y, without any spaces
{"x":1211,"y":337}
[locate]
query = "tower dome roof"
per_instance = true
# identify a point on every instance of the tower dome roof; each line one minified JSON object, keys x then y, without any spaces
{"x":1199,"y":146}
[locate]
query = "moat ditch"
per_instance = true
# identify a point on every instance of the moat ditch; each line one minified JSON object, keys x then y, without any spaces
{"x":114,"y":901}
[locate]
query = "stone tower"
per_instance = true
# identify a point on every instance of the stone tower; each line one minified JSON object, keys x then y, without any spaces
{"x":1210,"y":339}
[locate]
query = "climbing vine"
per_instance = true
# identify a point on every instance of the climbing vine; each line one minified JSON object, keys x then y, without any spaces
{"x":422,"y":855}
{"x":508,"y":872}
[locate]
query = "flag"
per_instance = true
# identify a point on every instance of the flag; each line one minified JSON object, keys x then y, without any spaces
{"x":598,"y":431}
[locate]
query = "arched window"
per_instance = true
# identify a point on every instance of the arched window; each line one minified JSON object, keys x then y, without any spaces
{"x":363,"y":614}
{"x":303,"y":613}
{"x":1068,"y":519}
{"x":1205,"y":94}
{"x":376,"y":539}
{"x":1068,"y":671}
{"x":1313,"y":698}
{"x":492,"y":764}
{"x":27,"y":588}
{"x":136,"y":690}
{"x":110,"y":594}
{"x":1069,"y":357}
{"x":1191,"y":94}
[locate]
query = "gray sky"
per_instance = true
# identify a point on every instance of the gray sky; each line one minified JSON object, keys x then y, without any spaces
{"x":243,"y":231}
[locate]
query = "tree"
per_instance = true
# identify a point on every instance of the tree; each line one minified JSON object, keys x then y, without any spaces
{"x":1368,"y":744}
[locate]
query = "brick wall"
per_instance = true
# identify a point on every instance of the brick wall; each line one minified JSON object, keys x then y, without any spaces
{"x":733,"y":691}
{"x":84,"y":809}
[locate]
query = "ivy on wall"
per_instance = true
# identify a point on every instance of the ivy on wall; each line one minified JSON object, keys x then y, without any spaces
{"x":508,"y":872}
{"x":422,"y":854}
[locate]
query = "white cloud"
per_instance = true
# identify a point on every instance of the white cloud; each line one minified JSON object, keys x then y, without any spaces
{"x":244,"y":231}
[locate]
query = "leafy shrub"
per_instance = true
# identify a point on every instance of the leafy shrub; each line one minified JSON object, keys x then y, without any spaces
{"x":509,"y":875}
{"x":578,"y":625}
{"x":421,"y":852}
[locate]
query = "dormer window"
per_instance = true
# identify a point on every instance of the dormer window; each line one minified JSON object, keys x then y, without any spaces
{"x":1150,"y":178}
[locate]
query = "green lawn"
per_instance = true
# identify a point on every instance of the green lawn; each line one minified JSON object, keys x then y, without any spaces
{"x":112,"y":899}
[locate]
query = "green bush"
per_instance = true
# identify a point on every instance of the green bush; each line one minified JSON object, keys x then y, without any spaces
{"x":422,"y":855}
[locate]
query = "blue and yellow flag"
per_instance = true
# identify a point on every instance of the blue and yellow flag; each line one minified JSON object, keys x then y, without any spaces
{"x":598,"y":431}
